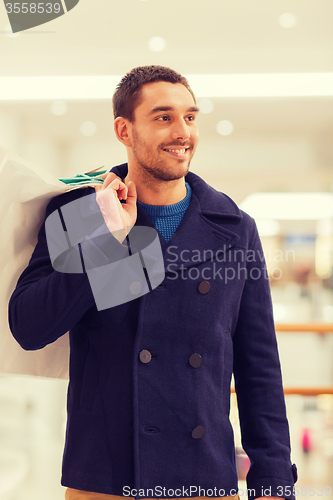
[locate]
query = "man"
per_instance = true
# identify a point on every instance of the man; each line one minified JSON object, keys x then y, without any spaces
{"x":149,"y":390}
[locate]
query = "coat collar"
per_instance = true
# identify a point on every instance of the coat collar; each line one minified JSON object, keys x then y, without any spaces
{"x":212,"y":202}
{"x":201,"y":232}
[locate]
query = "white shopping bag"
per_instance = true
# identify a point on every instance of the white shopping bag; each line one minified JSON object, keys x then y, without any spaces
{"x":25,"y":191}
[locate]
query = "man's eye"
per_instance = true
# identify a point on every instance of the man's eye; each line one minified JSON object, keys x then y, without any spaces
{"x":163,"y":118}
{"x":191,"y":118}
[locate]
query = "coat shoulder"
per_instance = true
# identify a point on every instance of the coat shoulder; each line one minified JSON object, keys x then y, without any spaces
{"x":64,"y":198}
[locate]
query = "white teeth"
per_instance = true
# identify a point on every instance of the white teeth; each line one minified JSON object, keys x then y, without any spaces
{"x":179,"y":151}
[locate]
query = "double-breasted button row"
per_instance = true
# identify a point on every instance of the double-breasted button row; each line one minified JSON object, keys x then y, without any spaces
{"x":194,"y":359}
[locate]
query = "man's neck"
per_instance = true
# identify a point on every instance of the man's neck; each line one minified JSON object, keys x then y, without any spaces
{"x":155,"y":192}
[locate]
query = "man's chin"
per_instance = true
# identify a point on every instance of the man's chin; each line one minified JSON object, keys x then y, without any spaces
{"x":167,"y":171}
{"x":175,"y":175}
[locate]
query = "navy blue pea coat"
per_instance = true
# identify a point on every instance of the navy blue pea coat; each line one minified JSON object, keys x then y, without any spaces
{"x":161,"y":428}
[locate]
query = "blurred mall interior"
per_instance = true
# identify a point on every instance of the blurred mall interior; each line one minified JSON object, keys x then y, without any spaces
{"x":267,"y":142}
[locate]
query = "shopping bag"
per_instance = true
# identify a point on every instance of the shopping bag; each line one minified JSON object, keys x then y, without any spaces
{"x":25,"y":191}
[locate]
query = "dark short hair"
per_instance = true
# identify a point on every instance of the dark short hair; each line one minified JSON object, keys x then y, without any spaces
{"x":128,"y":92}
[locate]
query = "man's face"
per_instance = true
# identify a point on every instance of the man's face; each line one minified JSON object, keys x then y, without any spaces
{"x":164,"y":131}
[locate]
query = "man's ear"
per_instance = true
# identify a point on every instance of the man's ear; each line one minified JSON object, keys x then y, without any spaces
{"x":122,"y":130}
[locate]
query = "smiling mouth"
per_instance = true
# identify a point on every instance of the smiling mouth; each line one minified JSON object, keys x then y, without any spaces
{"x":178,"y":152}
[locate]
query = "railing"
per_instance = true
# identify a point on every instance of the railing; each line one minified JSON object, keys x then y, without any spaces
{"x":304,"y":391}
{"x":321,"y":329}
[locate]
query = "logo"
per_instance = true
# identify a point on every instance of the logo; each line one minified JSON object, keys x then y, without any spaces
{"x":79,"y":241}
{"x":24,"y":15}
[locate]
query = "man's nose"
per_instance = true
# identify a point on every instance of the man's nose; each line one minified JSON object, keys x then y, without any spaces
{"x":181,"y":130}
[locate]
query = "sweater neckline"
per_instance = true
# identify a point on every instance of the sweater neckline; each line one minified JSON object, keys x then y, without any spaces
{"x":167,"y":210}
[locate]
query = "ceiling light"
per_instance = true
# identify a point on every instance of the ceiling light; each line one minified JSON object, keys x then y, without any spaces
{"x":206,"y":106}
{"x":88,"y":128}
{"x":157,"y":44}
{"x":59,"y":107}
{"x":224,"y":127}
{"x":287,"y":20}
{"x":35,"y":88}
{"x":289,"y":206}
{"x":262,"y":85}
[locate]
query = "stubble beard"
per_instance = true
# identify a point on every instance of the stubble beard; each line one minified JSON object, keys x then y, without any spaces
{"x":158,"y":169}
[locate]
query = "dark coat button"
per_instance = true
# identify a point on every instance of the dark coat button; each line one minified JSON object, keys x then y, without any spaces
{"x":198,"y":432}
{"x":145,"y":356}
{"x":204,"y":287}
{"x":195,"y":360}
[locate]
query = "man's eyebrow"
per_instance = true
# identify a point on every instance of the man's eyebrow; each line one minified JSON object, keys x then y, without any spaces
{"x":158,"y":109}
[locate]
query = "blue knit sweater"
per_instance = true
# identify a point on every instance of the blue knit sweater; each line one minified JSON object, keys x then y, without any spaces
{"x":166,"y":218}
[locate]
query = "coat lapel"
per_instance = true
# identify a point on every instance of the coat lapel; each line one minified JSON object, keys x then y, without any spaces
{"x":201,"y":232}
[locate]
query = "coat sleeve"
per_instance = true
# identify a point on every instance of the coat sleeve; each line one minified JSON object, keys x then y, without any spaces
{"x":258,"y":384}
{"x":50,"y":300}
{"x":45,"y":303}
